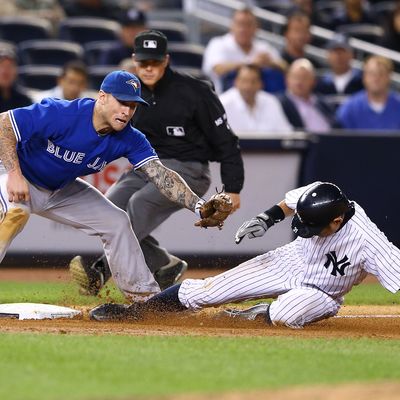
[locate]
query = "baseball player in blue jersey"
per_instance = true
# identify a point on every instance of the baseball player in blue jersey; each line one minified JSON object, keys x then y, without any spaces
{"x":45,"y":147}
{"x":337,"y":245}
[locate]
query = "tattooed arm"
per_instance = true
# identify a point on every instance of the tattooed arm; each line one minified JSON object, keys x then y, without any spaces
{"x":17,"y":186}
{"x":170,"y":184}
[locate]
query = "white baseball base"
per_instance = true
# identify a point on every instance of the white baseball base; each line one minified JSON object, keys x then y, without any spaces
{"x":36,"y":311}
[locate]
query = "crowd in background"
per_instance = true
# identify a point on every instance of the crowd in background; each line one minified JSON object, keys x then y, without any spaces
{"x":264,"y":89}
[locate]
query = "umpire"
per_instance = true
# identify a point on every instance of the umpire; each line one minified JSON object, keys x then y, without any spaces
{"x":186,"y":124}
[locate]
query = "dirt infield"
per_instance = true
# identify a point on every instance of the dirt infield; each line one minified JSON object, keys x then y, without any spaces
{"x":381,"y":391}
{"x":383,"y":321}
{"x":379,"y":322}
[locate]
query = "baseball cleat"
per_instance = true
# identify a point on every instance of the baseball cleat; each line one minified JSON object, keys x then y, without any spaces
{"x":118,"y":312}
{"x":89,"y":280}
{"x":171,"y":273}
{"x":109,"y":312}
{"x":256,"y":312}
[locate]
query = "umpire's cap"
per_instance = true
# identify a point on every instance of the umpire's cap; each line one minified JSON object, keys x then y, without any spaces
{"x":318,"y":206}
{"x":123,"y":86}
{"x":150,"y":45}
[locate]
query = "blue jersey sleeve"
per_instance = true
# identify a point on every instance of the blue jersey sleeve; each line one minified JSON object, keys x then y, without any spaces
{"x":140,"y":150}
{"x":39,"y":119}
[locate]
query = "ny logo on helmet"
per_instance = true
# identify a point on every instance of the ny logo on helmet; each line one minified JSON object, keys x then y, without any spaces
{"x":133,"y":83}
{"x":337,"y":265}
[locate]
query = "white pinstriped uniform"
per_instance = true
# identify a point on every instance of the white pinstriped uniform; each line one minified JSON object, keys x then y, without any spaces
{"x":309,"y":277}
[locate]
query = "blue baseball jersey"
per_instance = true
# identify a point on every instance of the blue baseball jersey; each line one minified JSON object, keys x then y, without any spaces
{"x":57,"y":142}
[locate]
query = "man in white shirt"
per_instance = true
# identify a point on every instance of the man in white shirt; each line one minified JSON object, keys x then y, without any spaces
{"x":304,"y":109}
{"x":239,"y":46}
{"x":71,"y":84}
{"x":251,"y":111}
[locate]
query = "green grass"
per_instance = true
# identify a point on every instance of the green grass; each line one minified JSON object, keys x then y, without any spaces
{"x":66,"y":294}
{"x":74,"y":367}
{"x":53,"y":293}
{"x":61,"y":367}
{"x":372,"y":293}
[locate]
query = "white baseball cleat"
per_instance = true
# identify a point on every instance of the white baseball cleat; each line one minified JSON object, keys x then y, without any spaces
{"x":259,"y":310}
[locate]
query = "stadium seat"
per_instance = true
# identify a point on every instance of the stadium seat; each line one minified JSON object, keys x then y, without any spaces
{"x":42,"y":77}
{"x":94,"y":49}
{"x":50,"y":52}
{"x":5,"y":44}
{"x":383,"y":9}
{"x":87,"y":29}
{"x":18,"y":29}
{"x":174,"y":31}
{"x":276,"y":6}
{"x":369,"y":32}
{"x":327,"y":9}
{"x":97,"y":74}
{"x":186,"y":54}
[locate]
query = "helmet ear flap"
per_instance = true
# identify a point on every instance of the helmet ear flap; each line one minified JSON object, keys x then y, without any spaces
{"x":304,"y":230}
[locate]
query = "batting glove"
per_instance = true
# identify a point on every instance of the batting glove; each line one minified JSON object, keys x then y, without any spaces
{"x":256,"y":227}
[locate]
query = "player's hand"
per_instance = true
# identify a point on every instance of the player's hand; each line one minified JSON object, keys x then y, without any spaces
{"x":262,"y":60}
{"x":256,"y":227}
{"x":235,"y":197}
{"x":17,"y":187}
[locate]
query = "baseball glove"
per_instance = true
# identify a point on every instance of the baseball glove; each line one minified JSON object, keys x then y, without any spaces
{"x":215,"y":211}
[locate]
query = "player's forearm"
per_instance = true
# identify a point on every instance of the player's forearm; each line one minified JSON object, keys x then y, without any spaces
{"x":286,"y":210}
{"x":171,"y":184}
{"x":8,"y":152}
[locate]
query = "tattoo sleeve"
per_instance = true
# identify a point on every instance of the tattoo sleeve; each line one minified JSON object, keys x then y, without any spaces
{"x":170,"y":184}
{"x":8,"y":152}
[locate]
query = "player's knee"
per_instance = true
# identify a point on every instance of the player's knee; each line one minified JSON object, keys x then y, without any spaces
{"x":12,"y":222}
{"x":195,"y":294}
{"x":296,"y":320}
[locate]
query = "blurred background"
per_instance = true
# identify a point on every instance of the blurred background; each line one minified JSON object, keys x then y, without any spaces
{"x":64,"y":48}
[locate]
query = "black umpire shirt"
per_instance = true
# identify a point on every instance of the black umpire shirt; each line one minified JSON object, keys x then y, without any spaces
{"x":186,"y":121}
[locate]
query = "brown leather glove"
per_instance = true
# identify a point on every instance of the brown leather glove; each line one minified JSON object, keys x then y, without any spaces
{"x":215,"y":211}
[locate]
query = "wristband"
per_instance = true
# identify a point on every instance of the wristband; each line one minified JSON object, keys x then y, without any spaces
{"x":198,"y":206}
{"x":273,"y":215}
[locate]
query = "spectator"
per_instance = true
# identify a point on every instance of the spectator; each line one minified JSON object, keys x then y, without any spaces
{"x":297,"y":36}
{"x":132,"y":22}
{"x":376,"y":107}
{"x":48,"y":9}
{"x":308,"y":8}
{"x":225,"y":54}
{"x":342,"y":80}
{"x":11,"y":95}
{"x":249,"y":109}
{"x":391,"y":37}
{"x":71,"y":84}
{"x":353,"y":12}
{"x":127,"y":64}
{"x":302,"y":107}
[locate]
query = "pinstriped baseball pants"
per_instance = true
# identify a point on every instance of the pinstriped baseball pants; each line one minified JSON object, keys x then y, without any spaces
{"x":268,"y":275}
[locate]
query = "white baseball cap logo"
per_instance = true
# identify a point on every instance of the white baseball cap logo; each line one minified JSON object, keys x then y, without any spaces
{"x":150,"y":44}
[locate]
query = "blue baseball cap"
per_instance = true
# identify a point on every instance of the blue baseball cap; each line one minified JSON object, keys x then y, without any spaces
{"x":123,"y":86}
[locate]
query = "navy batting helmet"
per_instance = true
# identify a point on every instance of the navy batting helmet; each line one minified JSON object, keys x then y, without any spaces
{"x":318,"y":206}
